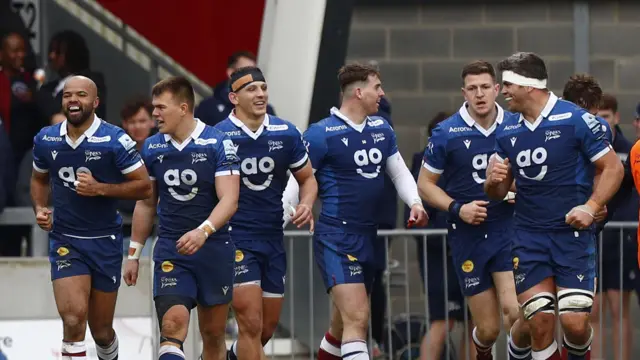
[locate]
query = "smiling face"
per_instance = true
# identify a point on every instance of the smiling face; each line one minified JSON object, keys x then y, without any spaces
{"x":252,"y":99}
{"x":480,"y":92}
{"x":79,"y":100}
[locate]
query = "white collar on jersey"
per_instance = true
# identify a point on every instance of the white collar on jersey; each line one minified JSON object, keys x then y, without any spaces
{"x":464,"y":113}
{"x":254,"y":135}
{"x":194,"y":135}
{"x":553,"y":99}
{"x":357,"y":127}
{"x":87,"y":134}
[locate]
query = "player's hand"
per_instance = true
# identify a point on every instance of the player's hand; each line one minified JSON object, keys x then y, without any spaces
{"x":86,"y":185}
{"x":418,"y":217}
{"x":580,"y":217}
{"x":497,"y":171}
{"x":130,"y":275}
{"x":601,"y":215}
{"x":474,"y":212}
{"x":191,"y":242}
{"x":303,"y":215}
{"x":44,"y":218}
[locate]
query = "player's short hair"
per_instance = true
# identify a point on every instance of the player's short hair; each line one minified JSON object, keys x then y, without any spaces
{"x":440,"y":117}
{"x":133,"y":105}
{"x":353,"y":73}
{"x":179,"y":87}
{"x":244,"y":76}
{"x":526,"y":64}
{"x":233,"y":59}
{"x":609,"y":102}
{"x":583,"y":90}
{"x":478,"y":67}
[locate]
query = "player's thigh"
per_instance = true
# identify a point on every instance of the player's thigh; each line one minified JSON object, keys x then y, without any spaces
{"x":485,"y":310}
{"x":352,"y":302}
{"x":271,"y":310}
{"x":212,"y":320}
{"x":574,"y":260}
{"x":214,"y":269}
{"x":470,"y":262}
{"x":66,"y":259}
{"x":344,"y":259}
{"x":174,"y":281}
{"x":72,"y":297}
{"x":274,"y":270}
{"x":531,"y":262}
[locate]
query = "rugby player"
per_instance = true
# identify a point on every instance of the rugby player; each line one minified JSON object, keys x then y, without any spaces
{"x":92,"y":164}
{"x":195,"y":171}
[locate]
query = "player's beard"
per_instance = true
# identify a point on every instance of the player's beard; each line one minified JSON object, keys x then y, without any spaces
{"x":78,"y":118}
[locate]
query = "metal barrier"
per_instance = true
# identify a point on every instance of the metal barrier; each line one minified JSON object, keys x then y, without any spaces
{"x":406,"y":309}
{"x":404,"y":320}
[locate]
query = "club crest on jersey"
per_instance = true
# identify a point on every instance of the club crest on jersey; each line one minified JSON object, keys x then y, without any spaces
{"x":377,"y":137}
{"x":198,"y":157}
{"x":551,"y":134}
{"x":92,"y":155}
{"x":275,"y":145}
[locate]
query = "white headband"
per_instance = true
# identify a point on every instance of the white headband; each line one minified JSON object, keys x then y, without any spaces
{"x":510,"y":76}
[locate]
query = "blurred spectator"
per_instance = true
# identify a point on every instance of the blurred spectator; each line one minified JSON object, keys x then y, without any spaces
{"x":624,"y":207}
{"x":18,"y":107}
{"x":386,"y":219}
{"x":435,"y":261}
{"x":137,"y":122}
{"x":68,"y":56}
{"x":136,"y":119}
{"x":11,"y":22}
{"x":217,"y":107}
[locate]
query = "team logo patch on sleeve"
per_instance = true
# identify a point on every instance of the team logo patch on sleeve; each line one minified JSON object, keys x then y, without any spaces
{"x":127,"y":142}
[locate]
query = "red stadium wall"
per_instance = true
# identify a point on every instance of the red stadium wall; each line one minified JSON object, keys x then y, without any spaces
{"x":198,"y":34}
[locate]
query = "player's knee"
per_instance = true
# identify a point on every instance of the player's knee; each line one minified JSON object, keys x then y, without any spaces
{"x":74,"y":319}
{"x":510,"y":315}
{"x":250,"y":324}
{"x":213,"y":335}
{"x":539,"y":312}
{"x":574,"y":306}
{"x":488,"y":333}
{"x":103,"y":336}
{"x":356,"y":318}
{"x":175,"y":321}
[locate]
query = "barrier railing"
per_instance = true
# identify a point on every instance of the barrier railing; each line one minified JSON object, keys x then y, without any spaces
{"x":307,"y":311}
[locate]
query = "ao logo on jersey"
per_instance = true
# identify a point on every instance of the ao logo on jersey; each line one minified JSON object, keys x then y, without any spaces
{"x":253,"y":166}
{"x":175,"y":178}
{"x":68,"y":175}
{"x":479,"y":163}
{"x":528,"y":158}
{"x":364,"y":158}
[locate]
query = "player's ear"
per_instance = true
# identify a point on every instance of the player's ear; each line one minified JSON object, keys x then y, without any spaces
{"x":233,"y":97}
{"x":497,"y":87}
{"x":184,"y":108}
{"x":358,"y":92}
{"x":96,"y":102}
